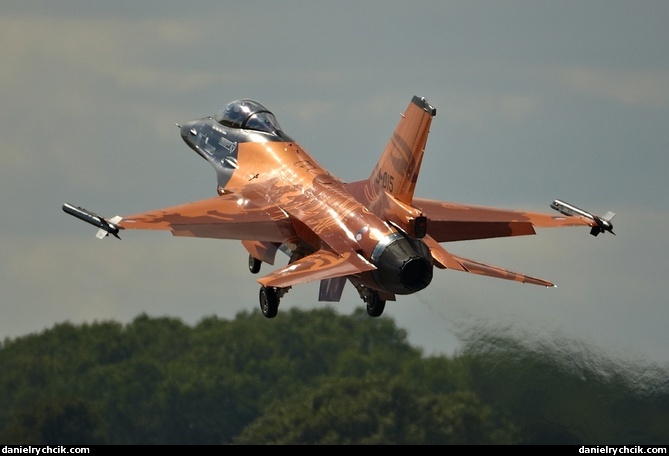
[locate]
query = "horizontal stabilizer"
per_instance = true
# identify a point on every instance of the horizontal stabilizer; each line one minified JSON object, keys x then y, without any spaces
{"x":317,"y":266}
{"x":444,"y":259}
{"x":441,"y":257}
{"x":476,"y":267}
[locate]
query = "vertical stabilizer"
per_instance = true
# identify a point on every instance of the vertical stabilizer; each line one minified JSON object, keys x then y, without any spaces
{"x":397,"y":171}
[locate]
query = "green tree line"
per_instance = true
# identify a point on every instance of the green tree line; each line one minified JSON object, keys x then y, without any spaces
{"x":310,"y":377}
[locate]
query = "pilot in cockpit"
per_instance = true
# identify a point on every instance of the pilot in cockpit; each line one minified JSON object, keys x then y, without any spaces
{"x":248,"y":114}
{"x":263,"y":121}
{"x":233,"y":114}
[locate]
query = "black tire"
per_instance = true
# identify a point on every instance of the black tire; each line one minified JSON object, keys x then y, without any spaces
{"x":269,"y":302}
{"x":375,"y":305}
{"x":254,"y":265}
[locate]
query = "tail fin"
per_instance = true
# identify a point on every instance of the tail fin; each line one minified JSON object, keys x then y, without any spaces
{"x":397,"y":170}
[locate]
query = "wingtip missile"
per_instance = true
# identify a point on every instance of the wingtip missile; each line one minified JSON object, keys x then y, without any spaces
{"x":603,"y":223}
{"x":105,"y":226}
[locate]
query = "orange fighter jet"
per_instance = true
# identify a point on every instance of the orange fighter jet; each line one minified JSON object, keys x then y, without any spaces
{"x":273,"y":195}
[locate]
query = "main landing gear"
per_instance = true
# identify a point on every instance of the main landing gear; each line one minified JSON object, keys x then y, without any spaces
{"x":375,"y":305}
{"x":269,"y":297}
{"x":269,"y":300}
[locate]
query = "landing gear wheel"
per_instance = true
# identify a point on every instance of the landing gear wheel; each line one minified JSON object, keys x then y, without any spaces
{"x":375,"y":305}
{"x":269,"y":302}
{"x":254,"y":265}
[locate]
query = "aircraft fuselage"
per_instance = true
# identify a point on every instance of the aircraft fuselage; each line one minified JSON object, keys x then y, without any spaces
{"x":324,"y":215}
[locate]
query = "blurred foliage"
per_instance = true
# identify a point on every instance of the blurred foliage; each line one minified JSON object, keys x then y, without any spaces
{"x":312,"y":377}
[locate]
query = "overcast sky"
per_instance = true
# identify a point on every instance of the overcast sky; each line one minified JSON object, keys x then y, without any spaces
{"x":535,"y":101}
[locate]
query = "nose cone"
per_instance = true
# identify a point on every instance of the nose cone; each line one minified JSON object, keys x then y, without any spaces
{"x":192,"y":135}
{"x":189,"y":133}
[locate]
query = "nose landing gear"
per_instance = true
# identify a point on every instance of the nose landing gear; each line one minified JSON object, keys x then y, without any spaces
{"x":254,"y":265}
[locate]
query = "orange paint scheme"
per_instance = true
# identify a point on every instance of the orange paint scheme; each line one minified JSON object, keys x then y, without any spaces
{"x":373,"y":233}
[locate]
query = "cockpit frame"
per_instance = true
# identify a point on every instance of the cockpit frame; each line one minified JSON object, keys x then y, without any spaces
{"x":248,"y":114}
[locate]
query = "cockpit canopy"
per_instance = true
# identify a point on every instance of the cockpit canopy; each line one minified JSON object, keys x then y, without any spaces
{"x":248,"y":114}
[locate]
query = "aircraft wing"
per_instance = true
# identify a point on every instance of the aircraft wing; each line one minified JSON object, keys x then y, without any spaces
{"x":458,"y":222}
{"x":222,"y":217}
{"x":232,"y":217}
